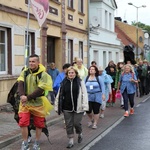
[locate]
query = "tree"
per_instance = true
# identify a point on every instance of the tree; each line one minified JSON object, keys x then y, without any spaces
{"x":141,"y":25}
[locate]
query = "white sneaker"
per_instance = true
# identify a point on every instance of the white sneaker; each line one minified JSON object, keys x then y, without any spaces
{"x":36,"y":146}
{"x":94,"y":126}
{"x":25,"y":146}
{"x":29,"y":139}
{"x":101,"y":116}
{"x":90,"y":124}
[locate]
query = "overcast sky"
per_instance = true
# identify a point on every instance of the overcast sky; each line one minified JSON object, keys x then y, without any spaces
{"x":128,"y":12}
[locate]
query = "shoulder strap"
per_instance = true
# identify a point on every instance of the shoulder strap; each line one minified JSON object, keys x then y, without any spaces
{"x":86,"y":79}
{"x":98,"y":83}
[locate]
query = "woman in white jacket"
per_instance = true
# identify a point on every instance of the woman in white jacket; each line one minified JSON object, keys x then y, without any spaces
{"x":72,"y":100}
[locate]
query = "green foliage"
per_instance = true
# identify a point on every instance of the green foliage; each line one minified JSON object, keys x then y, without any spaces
{"x":142,"y":26}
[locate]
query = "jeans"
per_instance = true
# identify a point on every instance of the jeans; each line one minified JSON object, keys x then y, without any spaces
{"x":128,"y":97}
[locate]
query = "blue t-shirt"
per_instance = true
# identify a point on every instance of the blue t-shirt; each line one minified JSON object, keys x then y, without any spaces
{"x":95,"y":90}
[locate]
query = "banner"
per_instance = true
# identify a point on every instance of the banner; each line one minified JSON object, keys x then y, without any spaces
{"x":40,"y":10}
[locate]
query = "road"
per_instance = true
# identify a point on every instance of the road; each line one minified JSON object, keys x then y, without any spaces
{"x":133,"y":133}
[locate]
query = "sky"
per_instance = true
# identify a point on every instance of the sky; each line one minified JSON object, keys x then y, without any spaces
{"x":129,"y":12}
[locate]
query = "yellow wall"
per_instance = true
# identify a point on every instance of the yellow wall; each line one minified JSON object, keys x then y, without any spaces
{"x":131,"y":32}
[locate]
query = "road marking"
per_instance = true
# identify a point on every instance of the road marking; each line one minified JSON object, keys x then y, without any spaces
{"x":145,"y":99}
{"x":138,"y":105}
{"x":87,"y":147}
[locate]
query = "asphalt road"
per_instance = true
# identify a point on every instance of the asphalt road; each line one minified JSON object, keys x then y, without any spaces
{"x":133,"y":133}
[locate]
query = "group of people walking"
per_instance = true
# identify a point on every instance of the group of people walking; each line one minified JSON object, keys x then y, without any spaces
{"x":73,"y":92}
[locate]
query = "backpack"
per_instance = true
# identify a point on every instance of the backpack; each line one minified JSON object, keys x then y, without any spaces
{"x":13,"y":96}
{"x":97,"y":79}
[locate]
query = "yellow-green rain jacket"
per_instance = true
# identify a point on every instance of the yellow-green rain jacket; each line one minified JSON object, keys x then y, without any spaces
{"x":32,"y":83}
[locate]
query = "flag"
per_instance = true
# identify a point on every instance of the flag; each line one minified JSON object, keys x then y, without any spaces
{"x":40,"y":10}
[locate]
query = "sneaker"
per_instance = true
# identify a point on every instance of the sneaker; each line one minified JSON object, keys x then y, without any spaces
{"x":101,"y":116}
{"x":126,"y":114}
{"x":90,"y":124}
{"x":94,"y":126}
{"x":25,"y":146}
{"x":131,"y":111}
{"x":36,"y":146}
{"x":80,"y":138}
{"x":113,"y":104}
{"x":29,"y":139}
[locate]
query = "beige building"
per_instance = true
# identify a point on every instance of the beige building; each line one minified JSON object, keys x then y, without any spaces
{"x":62,"y":37}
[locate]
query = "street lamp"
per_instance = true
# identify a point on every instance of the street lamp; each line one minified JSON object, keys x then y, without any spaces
{"x":137,"y":7}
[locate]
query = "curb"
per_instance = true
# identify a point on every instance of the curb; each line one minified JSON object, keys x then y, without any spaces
{"x":13,"y":139}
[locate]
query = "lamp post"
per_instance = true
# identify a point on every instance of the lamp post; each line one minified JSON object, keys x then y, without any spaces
{"x":137,"y":7}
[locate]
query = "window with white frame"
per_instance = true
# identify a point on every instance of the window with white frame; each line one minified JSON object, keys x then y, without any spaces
{"x":80,"y":49}
{"x":80,"y":6}
{"x":106,"y":19}
{"x":3,"y":51}
{"x":30,"y":45}
{"x":110,"y":56}
{"x":110,"y":21}
{"x":70,"y":51}
{"x":70,"y":3}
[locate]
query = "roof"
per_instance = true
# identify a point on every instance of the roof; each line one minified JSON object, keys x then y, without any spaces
{"x":125,"y":39}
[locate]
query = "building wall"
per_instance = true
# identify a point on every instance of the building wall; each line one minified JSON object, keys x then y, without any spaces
{"x":104,"y":44}
{"x":15,"y":17}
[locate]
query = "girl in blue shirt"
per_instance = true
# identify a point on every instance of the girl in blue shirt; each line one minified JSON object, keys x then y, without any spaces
{"x":96,"y":94}
{"x":127,"y":85}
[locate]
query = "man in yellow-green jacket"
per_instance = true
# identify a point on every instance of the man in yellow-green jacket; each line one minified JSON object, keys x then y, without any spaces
{"x":33,"y":83}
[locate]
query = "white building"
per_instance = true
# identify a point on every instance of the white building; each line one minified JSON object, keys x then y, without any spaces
{"x":103,"y":42}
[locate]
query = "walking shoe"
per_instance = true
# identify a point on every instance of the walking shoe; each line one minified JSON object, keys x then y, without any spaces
{"x":131,"y":111}
{"x":94,"y":126}
{"x":36,"y":146}
{"x":90,"y":124}
{"x":25,"y":146}
{"x":70,"y":144}
{"x":101,"y":116}
{"x":80,"y":138}
{"x":113,"y":104}
{"x":29,"y":139}
{"x":126,"y":114}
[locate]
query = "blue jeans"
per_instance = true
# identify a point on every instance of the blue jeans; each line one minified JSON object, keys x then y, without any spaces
{"x":128,"y":97}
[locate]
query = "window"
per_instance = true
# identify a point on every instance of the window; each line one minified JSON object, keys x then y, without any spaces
{"x":70,"y":51}
{"x":110,"y":56}
{"x":95,"y":55}
{"x":106,"y":19}
{"x":80,"y":49}
{"x":70,"y":3}
{"x":104,"y":59}
{"x":110,"y":20}
{"x":3,"y":51}
{"x":80,"y":6}
{"x":31,"y":42}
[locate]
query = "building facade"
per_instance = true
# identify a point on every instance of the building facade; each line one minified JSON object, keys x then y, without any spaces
{"x":103,"y":42}
{"x":62,"y":37}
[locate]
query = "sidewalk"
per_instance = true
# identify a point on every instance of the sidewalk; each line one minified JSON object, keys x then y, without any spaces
{"x":9,"y":129}
{"x":10,"y":132}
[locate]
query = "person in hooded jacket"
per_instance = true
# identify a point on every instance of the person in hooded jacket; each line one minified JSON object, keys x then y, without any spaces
{"x":72,"y":100}
{"x":33,"y":100}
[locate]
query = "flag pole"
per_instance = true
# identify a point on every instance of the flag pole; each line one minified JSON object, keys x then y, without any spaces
{"x":27,"y":34}
{"x":26,"y":53}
